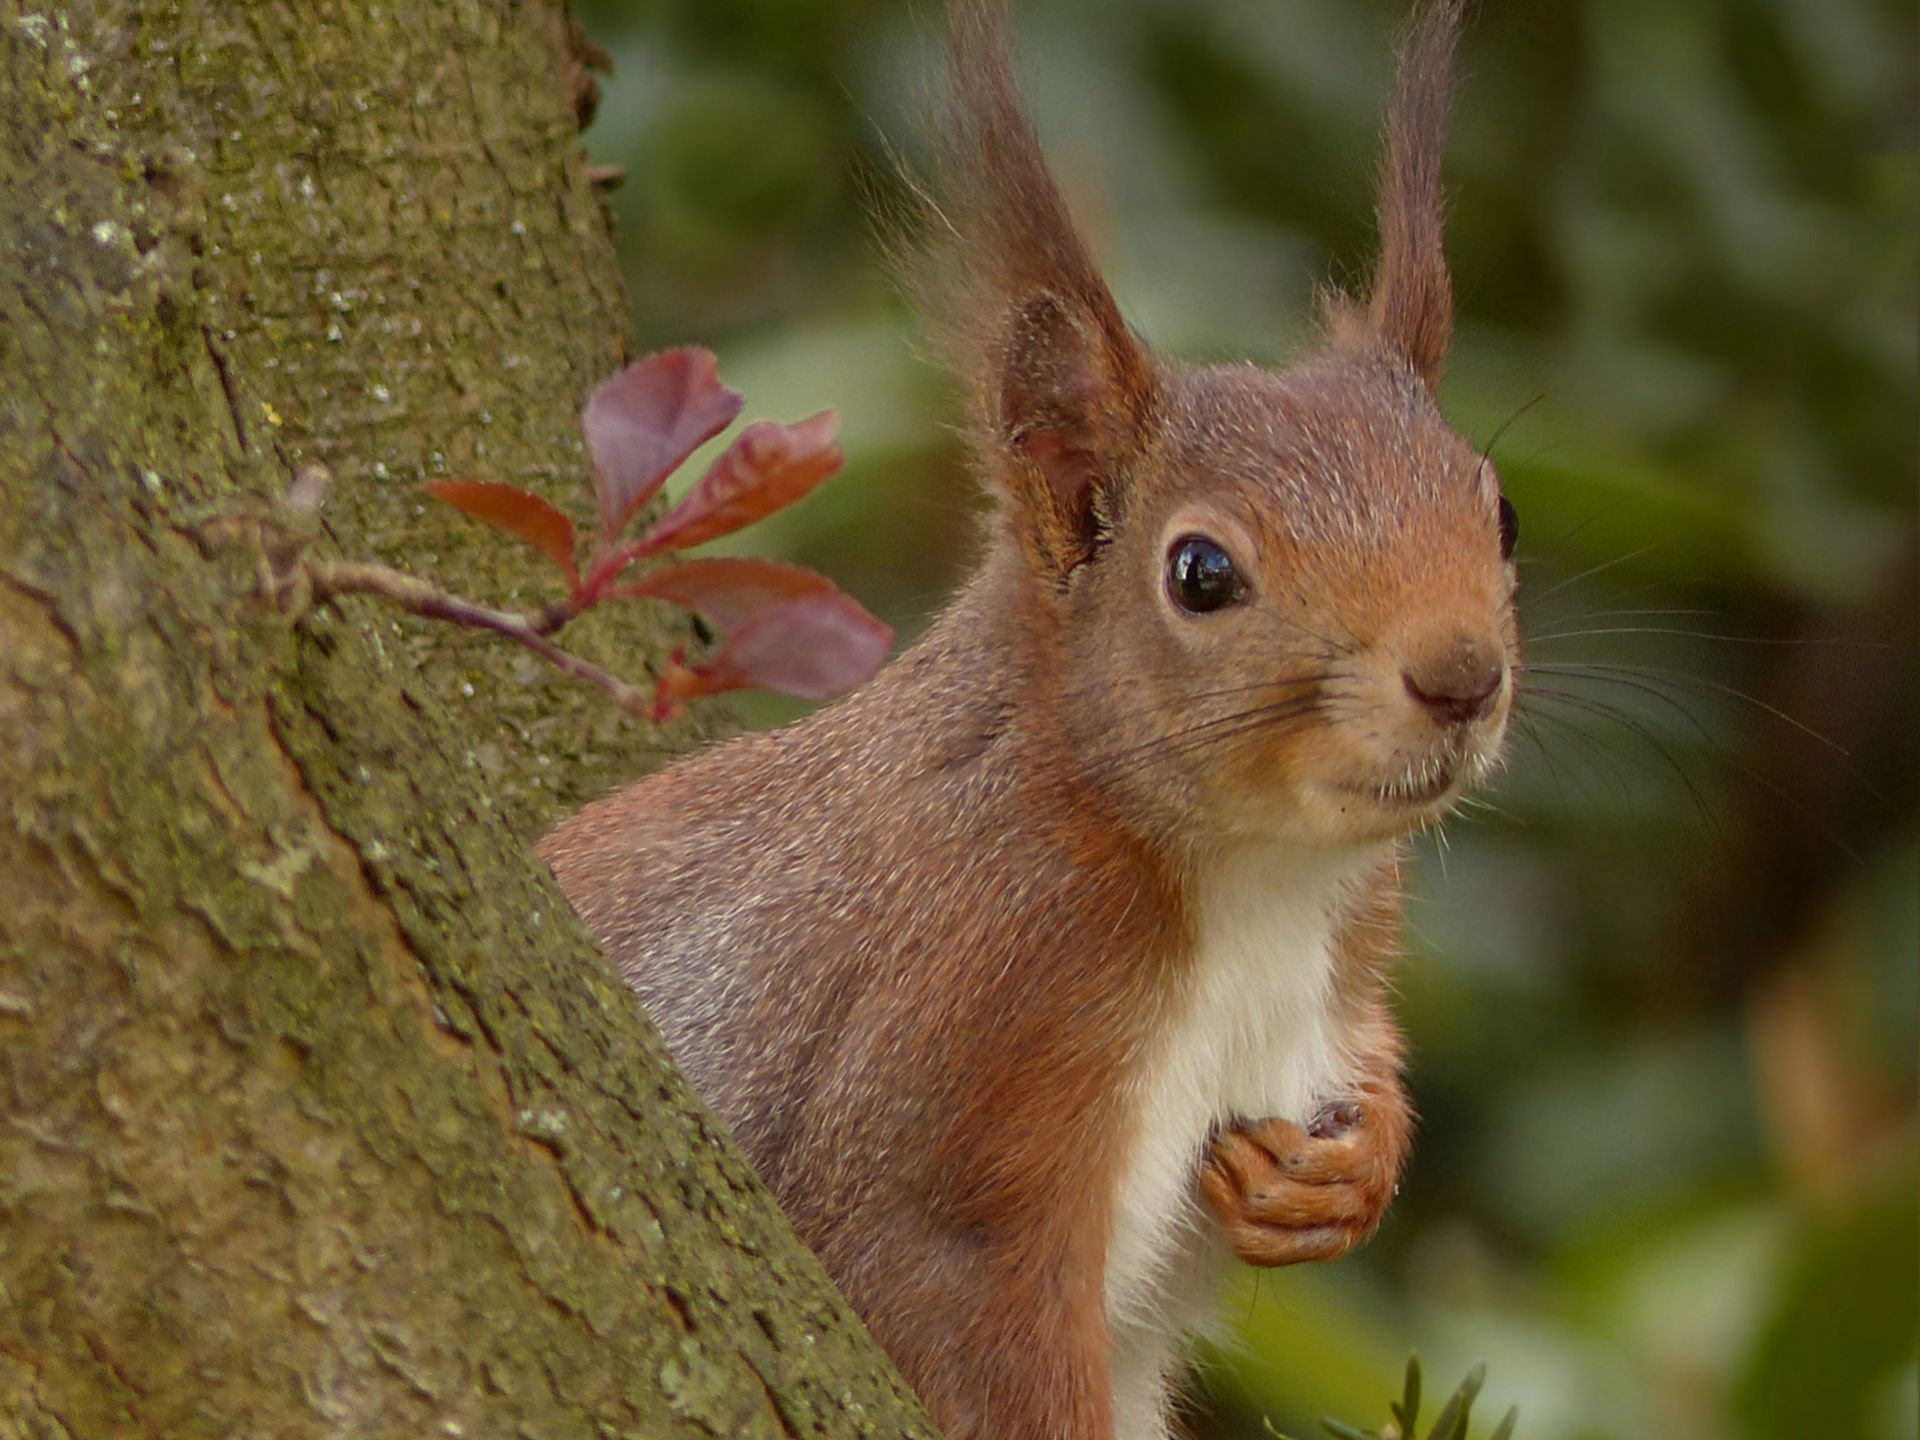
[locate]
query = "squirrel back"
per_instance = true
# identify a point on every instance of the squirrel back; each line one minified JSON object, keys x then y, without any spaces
{"x":979,"y":962}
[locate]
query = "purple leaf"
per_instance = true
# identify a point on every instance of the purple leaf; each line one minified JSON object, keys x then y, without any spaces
{"x":517,"y":512}
{"x":645,"y":421}
{"x":728,"y":591}
{"x":813,"y":647}
{"x":766,"y":469}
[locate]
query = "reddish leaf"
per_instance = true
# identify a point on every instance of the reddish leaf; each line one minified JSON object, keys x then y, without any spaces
{"x":815,"y":647}
{"x":728,"y":592}
{"x":769,"y":467}
{"x":643,"y":422}
{"x":515,"y":511}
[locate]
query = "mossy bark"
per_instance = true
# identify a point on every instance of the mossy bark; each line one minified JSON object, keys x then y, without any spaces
{"x":318,"y":1113}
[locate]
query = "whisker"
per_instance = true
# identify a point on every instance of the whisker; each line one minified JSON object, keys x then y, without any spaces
{"x":1706,"y":635}
{"x":1626,"y":721}
{"x":1647,"y":674}
{"x":1228,"y":727}
{"x":1589,"y":573}
{"x":1471,"y":804}
{"x":1507,"y":424}
{"x":1439,"y":834}
{"x":1521,"y":725}
{"x":1217,"y":728}
{"x":1280,"y":691}
{"x":1335,"y":649}
{"x":1756,"y":776}
{"x":1621,"y":595}
{"x":1569,"y":536}
{"x":1612,"y":764}
{"x":1638,"y":610}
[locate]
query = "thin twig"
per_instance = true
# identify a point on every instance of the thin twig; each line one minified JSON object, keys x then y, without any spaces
{"x":332,"y":578}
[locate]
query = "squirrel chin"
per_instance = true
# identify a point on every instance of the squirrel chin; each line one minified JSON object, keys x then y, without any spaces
{"x":1343,"y":811}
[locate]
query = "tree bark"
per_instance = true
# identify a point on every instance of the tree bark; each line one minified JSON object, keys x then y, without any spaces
{"x":320,"y":1113}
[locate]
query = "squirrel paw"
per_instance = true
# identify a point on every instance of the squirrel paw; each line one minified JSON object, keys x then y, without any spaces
{"x":1285,"y":1194}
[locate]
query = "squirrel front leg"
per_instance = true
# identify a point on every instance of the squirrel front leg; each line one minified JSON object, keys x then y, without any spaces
{"x":1285,"y":1193}
{"x":1008,"y":1347}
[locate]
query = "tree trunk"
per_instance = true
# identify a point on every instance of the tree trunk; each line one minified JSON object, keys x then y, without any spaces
{"x":320,"y":1114}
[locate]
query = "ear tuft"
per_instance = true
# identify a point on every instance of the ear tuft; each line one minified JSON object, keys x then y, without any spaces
{"x":1063,"y":392}
{"x":1410,"y":306}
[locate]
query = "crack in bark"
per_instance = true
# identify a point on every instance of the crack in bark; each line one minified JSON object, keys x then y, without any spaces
{"x":227,"y":388}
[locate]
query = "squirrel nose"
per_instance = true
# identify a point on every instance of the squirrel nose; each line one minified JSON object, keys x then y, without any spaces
{"x":1458,"y":682}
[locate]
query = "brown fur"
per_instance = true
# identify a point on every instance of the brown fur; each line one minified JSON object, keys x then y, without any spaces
{"x":911,"y":948}
{"x":933,"y":1118}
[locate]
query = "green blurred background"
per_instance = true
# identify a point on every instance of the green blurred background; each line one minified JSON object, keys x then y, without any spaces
{"x":1662,"y":997}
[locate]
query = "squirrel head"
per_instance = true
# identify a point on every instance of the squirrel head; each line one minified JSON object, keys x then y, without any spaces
{"x":1272,"y":603}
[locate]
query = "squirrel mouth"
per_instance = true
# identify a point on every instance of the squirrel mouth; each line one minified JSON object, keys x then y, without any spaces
{"x":1414,"y":791}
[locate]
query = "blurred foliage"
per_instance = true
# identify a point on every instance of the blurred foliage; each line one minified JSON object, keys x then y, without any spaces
{"x":1662,"y":993}
{"x":1454,"y":1422}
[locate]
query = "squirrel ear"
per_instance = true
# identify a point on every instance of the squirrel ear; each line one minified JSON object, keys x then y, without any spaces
{"x":1063,"y":392}
{"x":1410,"y":307}
{"x":1071,"y":392}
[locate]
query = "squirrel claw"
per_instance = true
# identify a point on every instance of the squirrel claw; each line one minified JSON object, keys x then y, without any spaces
{"x":1331,"y":1122}
{"x":1285,"y":1194}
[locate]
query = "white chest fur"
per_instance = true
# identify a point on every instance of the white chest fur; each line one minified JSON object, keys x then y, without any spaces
{"x":1252,"y":1034}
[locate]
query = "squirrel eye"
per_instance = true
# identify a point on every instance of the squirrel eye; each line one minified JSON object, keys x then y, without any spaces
{"x":1200,"y":575}
{"x":1509,"y":528}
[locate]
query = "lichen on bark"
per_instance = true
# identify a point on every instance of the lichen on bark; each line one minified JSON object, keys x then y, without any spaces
{"x":318,"y":1115}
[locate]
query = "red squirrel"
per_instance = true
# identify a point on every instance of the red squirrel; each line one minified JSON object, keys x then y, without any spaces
{"x":1050,"y":966}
